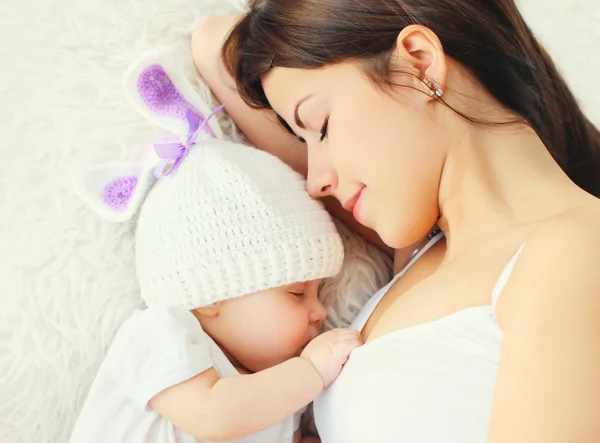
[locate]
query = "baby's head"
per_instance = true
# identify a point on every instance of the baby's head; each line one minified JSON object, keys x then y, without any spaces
{"x":233,"y":236}
{"x":267,"y":327}
{"x":224,"y":230}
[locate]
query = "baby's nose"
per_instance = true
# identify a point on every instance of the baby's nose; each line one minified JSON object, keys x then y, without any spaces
{"x":319,"y":313}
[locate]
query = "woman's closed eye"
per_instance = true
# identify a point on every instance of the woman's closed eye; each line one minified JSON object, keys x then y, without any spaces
{"x":287,"y":127}
{"x":323,"y":133}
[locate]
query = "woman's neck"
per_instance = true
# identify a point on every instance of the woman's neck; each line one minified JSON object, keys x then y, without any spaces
{"x":498,"y":178}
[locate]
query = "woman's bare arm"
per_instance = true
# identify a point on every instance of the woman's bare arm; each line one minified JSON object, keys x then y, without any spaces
{"x":547,"y":389}
{"x":259,"y":126}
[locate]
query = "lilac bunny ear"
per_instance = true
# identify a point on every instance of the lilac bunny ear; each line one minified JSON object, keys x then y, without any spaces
{"x":116,"y":191}
{"x":158,"y":88}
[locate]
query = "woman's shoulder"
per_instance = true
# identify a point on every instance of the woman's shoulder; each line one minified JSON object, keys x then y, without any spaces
{"x":575,"y":228}
{"x":566,"y":241}
{"x":558,"y":267}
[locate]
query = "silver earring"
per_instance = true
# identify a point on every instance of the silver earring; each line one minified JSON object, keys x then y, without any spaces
{"x":434,"y":90}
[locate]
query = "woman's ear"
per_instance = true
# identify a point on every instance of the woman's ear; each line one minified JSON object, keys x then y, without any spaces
{"x":420,"y":48}
{"x":210,"y":310}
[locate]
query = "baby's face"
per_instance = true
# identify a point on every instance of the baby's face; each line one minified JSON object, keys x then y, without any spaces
{"x":263,"y":329}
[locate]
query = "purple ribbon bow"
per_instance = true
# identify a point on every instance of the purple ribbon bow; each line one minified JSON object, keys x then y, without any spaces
{"x":174,"y":153}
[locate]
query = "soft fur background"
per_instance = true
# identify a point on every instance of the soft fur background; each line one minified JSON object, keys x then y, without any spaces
{"x":67,"y":278}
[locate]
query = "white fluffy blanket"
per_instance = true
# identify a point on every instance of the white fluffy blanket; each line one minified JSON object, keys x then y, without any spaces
{"x":67,"y":278}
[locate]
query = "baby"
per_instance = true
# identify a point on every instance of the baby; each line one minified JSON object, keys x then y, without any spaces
{"x":230,"y":250}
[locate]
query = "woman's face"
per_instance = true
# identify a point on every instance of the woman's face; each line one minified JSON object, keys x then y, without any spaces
{"x":379,"y":153}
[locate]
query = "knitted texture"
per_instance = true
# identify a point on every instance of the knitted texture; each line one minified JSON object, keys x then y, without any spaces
{"x":160,"y":95}
{"x":231,"y":221}
{"x":119,"y":191}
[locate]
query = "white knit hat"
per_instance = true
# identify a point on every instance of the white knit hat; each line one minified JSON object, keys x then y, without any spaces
{"x":228,"y":220}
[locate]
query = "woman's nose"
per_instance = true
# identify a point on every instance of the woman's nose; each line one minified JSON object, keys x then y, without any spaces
{"x":321,"y":180}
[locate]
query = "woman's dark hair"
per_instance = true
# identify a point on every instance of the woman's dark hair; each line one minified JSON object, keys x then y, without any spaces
{"x":489,"y":38}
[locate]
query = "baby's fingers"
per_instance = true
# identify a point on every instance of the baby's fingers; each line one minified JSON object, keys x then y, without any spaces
{"x":348,"y":344}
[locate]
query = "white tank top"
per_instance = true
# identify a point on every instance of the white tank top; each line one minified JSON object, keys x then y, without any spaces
{"x":427,"y":383}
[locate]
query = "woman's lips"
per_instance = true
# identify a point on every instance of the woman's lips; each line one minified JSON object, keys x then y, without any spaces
{"x":351,"y":203}
{"x":358,"y":204}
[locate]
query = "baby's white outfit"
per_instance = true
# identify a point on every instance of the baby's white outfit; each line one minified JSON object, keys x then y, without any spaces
{"x":155,"y":349}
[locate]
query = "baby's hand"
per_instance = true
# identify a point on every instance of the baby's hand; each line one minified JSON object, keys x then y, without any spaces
{"x":329,"y":352}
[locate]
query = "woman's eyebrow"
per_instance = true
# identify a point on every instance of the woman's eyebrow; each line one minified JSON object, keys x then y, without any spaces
{"x":297,"y":118}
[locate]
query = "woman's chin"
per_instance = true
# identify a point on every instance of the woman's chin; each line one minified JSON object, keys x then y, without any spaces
{"x":393,"y":242}
{"x":388,"y":235}
{"x":394,"y":235}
